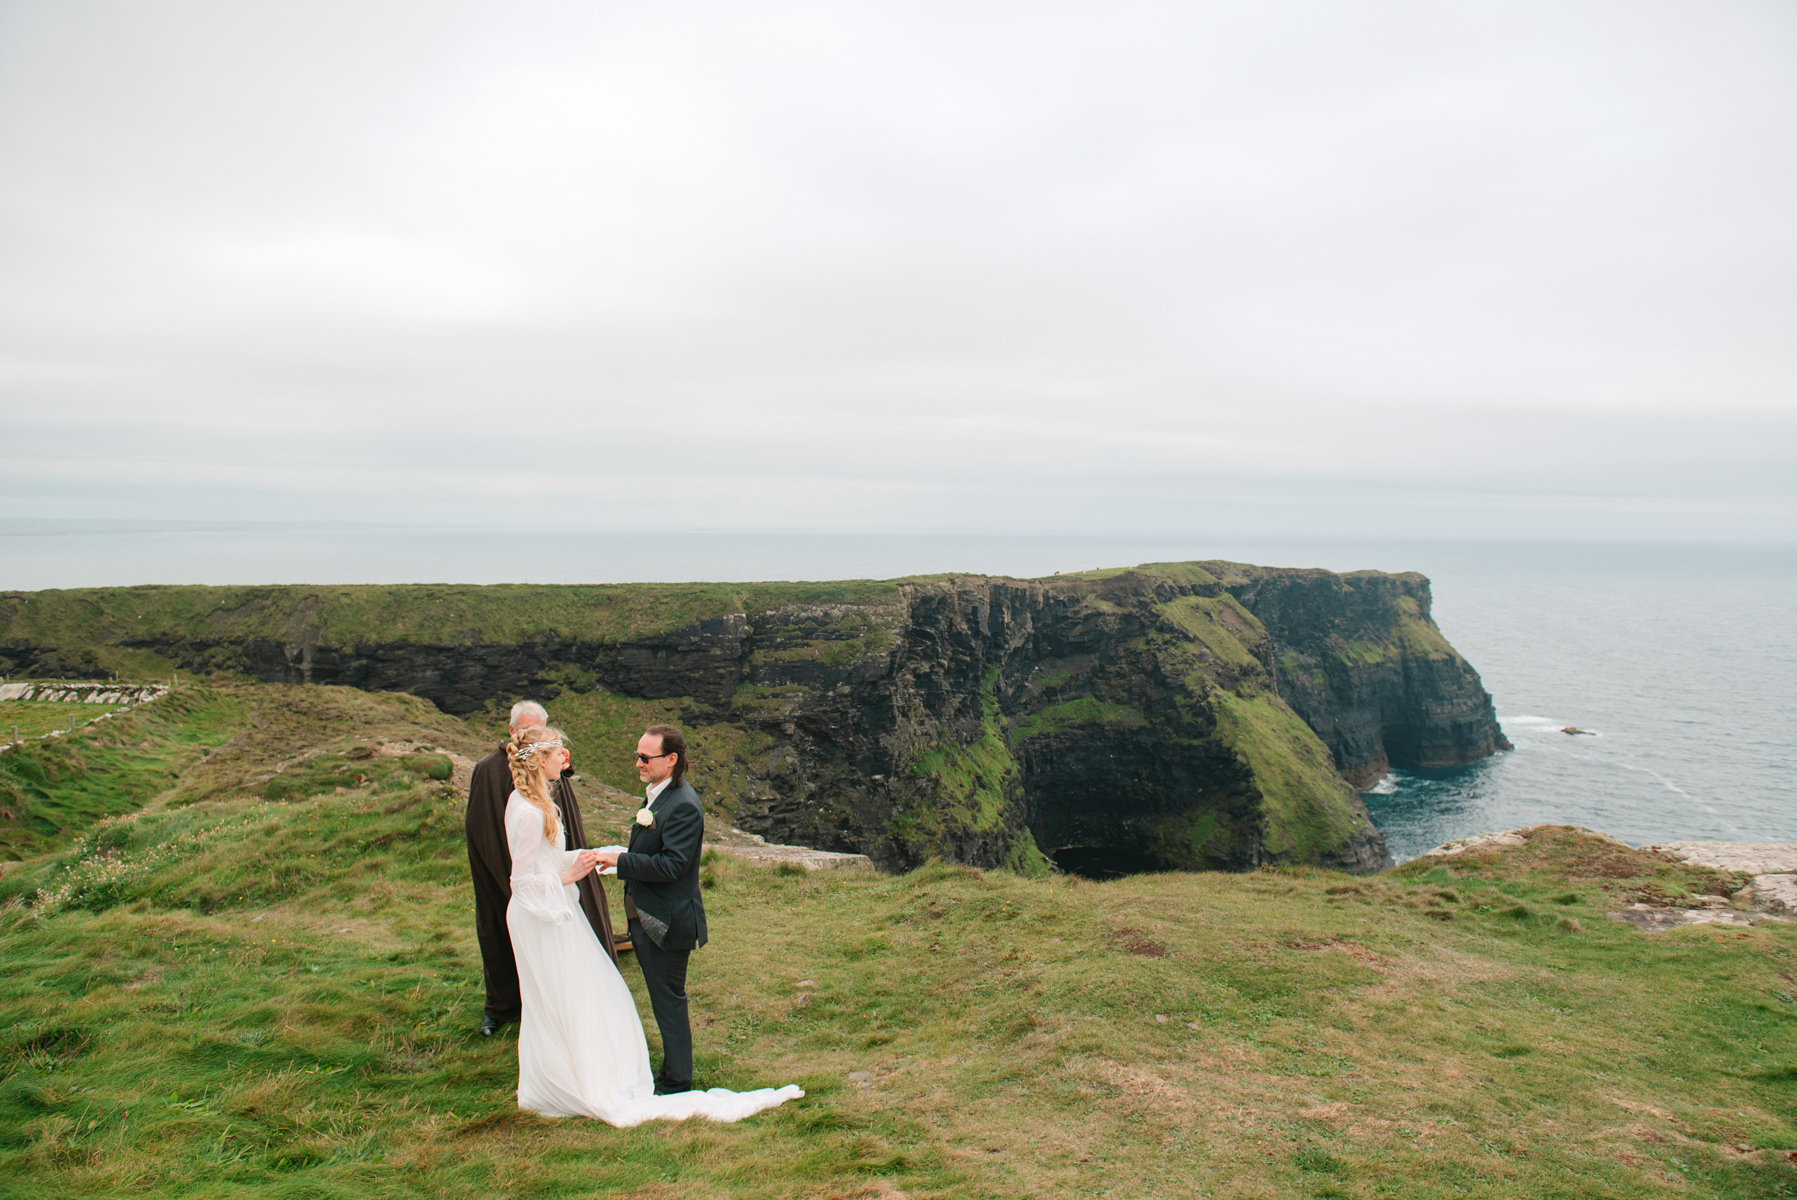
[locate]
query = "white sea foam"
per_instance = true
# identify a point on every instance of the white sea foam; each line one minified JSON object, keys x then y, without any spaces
{"x":1666,"y":783}
{"x":1385,"y":787}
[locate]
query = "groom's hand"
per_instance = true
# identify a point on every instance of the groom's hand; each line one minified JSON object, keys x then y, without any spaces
{"x":584,"y":861}
{"x":608,"y":858}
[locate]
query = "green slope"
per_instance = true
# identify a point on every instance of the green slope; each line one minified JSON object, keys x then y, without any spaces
{"x":235,"y":996}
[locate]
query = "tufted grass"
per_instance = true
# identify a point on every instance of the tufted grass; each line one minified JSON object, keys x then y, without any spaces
{"x":53,"y":788}
{"x":241,"y":997}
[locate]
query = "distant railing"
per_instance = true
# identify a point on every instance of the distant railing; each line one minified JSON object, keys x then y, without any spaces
{"x":83,"y":691}
{"x":123,"y":696}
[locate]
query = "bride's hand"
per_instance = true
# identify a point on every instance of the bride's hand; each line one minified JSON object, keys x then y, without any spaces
{"x":584,"y":862}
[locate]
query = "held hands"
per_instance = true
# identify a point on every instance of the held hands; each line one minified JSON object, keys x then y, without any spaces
{"x":584,"y":862}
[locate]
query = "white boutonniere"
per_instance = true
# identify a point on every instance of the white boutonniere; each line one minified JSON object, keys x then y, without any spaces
{"x":645,"y":818}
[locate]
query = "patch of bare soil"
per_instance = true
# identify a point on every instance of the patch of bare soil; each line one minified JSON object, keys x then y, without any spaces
{"x":1348,"y":946}
{"x":1134,"y":941}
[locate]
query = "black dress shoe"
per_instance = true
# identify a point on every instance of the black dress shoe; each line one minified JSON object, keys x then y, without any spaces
{"x":672,"y":1089}
{"x":488,"y":1026}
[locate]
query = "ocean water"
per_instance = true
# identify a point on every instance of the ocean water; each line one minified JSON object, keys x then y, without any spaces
{"x":1681,"y":661}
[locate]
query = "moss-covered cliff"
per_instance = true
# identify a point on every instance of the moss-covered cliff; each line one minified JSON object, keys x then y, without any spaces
{"x":1171,"y":715}
{"x":1360,"y":659}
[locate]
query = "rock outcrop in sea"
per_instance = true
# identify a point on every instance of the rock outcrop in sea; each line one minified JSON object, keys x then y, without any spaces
{"x":1177,"y":715}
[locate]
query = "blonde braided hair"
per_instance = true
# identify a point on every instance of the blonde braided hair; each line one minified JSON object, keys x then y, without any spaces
{"x":526,"y":755}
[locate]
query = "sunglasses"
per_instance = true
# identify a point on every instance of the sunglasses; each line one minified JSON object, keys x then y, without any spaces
{"x":643,"y":758}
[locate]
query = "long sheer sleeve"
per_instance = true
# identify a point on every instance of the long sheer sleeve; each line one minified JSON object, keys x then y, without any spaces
{"x":537,"y":887}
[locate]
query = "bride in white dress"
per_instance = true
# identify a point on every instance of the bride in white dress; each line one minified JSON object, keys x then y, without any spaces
{"x":581,"y":1050}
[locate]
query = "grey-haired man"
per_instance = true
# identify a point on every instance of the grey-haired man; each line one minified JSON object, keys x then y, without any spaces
{"x":490,"y":864}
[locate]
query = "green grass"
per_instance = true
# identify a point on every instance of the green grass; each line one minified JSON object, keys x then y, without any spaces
{"x":294,"y":741}
{"x":1365,"y":653}
{"x":724,"y":758}
{"x":959,"y":1033}
{"x":853,"y":635}
{"x":1218,"y":831}
{"x":1083,"y":710}
{"x":34,"y":718}
{"x":977,"y":785}
{"x":228,"y":995}
{"x":101,"y":619}
{"x":1227,"y":631}
{"x":1412,"y":636}
{"x":1182,"y":572}
{"x":49,"y":789}
{"x":118,"y":629}
{"x":811,"y":632}
{"x":1026,"y":858}
{"x":1308,"y":806}
{"x":602,"y":730}
{"x":1419,"y":636}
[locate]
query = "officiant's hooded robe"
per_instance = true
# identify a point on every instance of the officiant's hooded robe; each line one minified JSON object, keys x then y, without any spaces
{"x":490,"y":862}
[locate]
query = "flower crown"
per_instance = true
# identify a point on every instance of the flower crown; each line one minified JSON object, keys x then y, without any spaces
{"x":523,"y":754}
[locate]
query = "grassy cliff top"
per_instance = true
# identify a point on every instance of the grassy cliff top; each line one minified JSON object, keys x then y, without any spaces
{"x":453,"y":614}
{"x":436,"y":613}
{"x":275,"y":996}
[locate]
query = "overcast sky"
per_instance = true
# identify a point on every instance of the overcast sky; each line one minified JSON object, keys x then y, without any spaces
{"x":1382,"y":269}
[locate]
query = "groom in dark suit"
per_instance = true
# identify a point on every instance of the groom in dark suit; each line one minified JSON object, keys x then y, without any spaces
{"x":660,"y":871}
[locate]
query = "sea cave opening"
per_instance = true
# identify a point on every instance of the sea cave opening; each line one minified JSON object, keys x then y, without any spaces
{"x":1103,"y":861}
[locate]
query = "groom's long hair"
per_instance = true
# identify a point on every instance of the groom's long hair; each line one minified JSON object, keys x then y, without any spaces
{"x":672,"y":742}
{"x":521,"y":757}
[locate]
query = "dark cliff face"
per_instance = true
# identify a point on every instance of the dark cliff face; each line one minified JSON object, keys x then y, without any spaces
{"x":1360,"y":659}
{"x":1115,"y":722}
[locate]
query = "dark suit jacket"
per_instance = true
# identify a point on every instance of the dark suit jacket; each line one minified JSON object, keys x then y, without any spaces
{"x":489,"y":853}
{"x":661,"y":869}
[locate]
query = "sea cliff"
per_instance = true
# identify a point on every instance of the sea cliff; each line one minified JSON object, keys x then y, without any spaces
{"x":1174,"y":715}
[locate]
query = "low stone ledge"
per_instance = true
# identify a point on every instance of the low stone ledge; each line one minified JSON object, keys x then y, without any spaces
{"x":798,"y":856}
{"x":1772,"y":892}
{"x":1775,"y":895}
{"x":1487,"y":842}
{"x":1654,"y":919}
{"x":1481,"y":841}
{"x":1749,"y":858}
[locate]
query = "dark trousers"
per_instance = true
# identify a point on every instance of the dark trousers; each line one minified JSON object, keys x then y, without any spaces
{"x":498,"y":965}
{"x":664,"y":972}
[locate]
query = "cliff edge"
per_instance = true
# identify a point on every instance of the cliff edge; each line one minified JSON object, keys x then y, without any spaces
{"x":1173,"y":715}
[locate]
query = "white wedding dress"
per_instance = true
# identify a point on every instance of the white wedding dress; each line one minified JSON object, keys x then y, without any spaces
{"x":581,"y":1050}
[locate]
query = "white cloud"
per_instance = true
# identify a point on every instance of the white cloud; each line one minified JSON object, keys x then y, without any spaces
{"x":1411,"y":267}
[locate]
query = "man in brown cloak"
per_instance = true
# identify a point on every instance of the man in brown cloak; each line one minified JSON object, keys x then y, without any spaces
{"x":490,"y":862}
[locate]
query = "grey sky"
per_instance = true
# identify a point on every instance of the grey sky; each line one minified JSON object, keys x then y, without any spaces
{"x":1383,"y":269}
